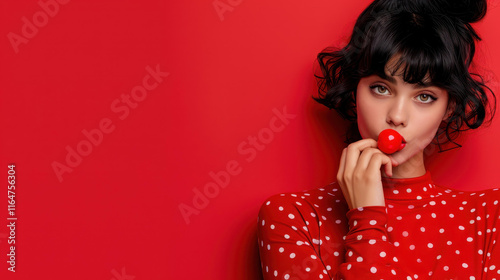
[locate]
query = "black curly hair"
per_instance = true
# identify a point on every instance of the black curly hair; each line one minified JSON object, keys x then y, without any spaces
{"x":432,"y":39}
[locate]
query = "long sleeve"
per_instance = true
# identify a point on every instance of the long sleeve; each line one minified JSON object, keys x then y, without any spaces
{"x":490,"y":251}
{"x":292,"y":246}
{"x":369,"y":254}
{"x":287,"y":248}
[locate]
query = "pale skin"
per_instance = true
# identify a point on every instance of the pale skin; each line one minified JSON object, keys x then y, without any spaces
{"x":414,"y":111}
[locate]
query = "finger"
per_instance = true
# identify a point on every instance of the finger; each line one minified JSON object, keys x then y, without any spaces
{"x":370,"y":190}
{"x":351,"y":160}
{"x":353,"y":153}
{"x":388,"y":168}
{"x":340,"y":172}
{"x":376,"y":163}
{"x":340,"y":178}
{"x":364,"y":143}
{"x":365,"y":158}
{"x":394,"y":162}
{"x":376,"y":194}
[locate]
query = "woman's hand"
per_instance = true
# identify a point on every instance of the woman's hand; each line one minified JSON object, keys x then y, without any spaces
{"x":359,"y":174}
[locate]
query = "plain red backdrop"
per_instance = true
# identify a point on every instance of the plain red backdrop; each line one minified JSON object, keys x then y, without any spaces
{"x":234,"y":66}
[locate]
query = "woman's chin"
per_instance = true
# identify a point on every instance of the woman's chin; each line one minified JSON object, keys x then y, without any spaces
{"x":406,"y":157}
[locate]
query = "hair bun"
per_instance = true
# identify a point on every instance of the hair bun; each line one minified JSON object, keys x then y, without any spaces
{"x":467,"y":10}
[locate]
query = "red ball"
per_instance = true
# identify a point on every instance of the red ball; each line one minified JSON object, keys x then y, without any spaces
{"x":390,"y":141}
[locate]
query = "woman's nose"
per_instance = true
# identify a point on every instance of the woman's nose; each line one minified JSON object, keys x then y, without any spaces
{"x":398,"y":113}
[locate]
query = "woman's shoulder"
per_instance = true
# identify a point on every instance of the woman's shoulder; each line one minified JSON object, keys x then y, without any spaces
{"x":472,"y":192}
{"x":319,"y":199}
{"x":317,"y":194}
{"x":304,"y":213}
{"x":484,"y":195}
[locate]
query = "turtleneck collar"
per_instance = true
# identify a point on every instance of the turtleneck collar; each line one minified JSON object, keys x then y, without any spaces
{"x":409,"y":188}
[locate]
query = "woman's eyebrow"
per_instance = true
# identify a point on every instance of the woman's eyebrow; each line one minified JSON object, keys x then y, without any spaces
{"x":417,"y":85}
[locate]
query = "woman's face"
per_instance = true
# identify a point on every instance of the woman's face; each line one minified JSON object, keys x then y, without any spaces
{"x":414,"y":111}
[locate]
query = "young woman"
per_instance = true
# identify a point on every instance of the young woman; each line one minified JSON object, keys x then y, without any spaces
{"x":406,"y":68}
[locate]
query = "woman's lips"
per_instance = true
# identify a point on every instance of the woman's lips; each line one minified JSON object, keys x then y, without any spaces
{"x":403,"y":144}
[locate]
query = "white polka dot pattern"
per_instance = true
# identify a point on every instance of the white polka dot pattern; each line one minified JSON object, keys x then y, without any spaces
{"x":425,"y":231}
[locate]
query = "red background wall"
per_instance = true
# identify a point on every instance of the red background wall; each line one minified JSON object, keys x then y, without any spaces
{"x":233,"y":66}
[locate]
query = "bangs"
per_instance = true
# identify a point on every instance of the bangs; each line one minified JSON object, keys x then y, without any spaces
{"x":407,"y":45}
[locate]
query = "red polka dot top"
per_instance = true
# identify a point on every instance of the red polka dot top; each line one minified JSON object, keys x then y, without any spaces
{"x":425,"y":231}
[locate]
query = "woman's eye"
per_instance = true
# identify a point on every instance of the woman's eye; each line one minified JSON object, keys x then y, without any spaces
{"x":379,"y":89}
{"x":426,"y":98}
{"x":423,"y":98}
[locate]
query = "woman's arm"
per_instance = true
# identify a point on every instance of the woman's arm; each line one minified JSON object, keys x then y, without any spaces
{"x":297,"y":248}
{"x":491,"y":249}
